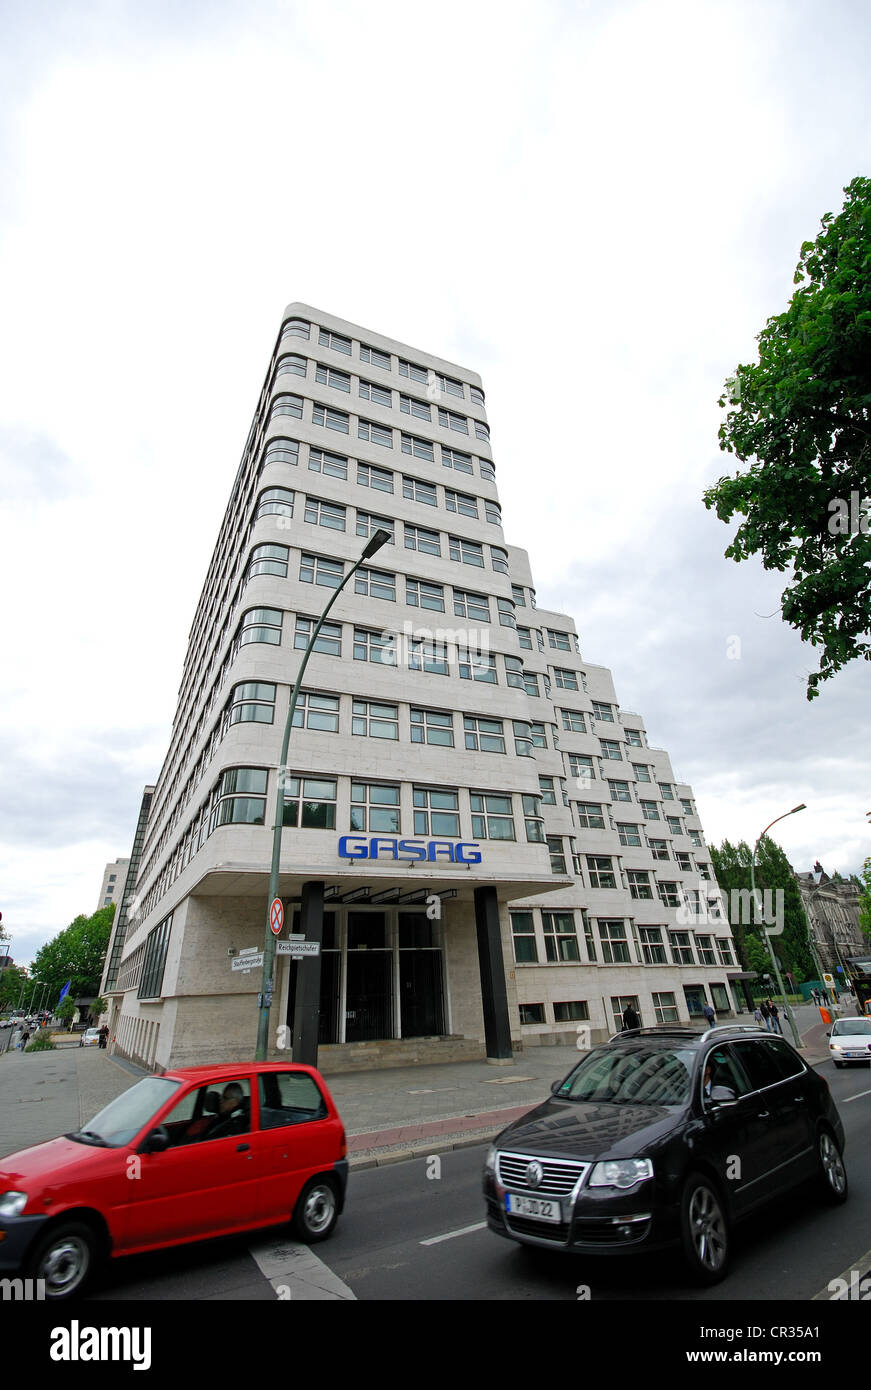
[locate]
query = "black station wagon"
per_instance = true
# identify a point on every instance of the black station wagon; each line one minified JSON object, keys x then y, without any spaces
{"x":666,"y":1136}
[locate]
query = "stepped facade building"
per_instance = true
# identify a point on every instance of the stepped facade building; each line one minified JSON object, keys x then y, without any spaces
{"x":489,"y":851}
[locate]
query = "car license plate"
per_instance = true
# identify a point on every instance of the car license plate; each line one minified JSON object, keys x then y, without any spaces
{"x":537,"y":1207}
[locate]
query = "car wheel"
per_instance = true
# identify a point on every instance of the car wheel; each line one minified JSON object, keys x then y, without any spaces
{"x":64,"y":1259}
{"x":832,"y":1180}
{"x":317,"y":1211}
{"x":704,"y":1230}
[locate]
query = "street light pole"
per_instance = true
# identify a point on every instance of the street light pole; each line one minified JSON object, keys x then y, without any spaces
{"x":379,"y":538}
{"x":771,"y":951}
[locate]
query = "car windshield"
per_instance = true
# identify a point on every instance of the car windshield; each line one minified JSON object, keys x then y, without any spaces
{"x":123,"y":1118}
{"x":852,"y":1025}
{"x":637,"y":1075}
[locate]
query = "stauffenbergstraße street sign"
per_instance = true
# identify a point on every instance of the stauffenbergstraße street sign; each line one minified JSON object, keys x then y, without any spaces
{"x":249,"y":961}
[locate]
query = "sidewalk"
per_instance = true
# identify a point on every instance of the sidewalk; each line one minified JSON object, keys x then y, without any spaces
{"x":389,"y":1115}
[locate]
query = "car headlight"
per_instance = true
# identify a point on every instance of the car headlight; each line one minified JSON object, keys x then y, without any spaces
{"x":12,"y":1203}
{"x":836,"y":1047}
{"x":490,"y":1160}
{"x":621,"y":1172}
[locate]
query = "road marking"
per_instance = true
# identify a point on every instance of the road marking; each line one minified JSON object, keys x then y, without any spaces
{"x":846,"y":1099}
{"x":863,"y":1263}
{"x":464,"y":1231}
{"x":509,"y":1080}
{"x":295,"y":1271}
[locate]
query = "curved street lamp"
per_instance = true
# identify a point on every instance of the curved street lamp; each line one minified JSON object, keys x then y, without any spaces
{"x":771,"y":951}
{"x":379,"y":538}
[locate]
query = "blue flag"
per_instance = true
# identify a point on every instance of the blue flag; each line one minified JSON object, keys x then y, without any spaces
{"x":65,"y":990}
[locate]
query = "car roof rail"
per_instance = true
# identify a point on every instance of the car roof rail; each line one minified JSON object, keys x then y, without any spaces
{"x":658,"y":1031}
{"x":735,"y":1028}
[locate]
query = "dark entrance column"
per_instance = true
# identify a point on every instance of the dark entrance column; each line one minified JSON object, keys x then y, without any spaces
{"x":494,"y":994}
{"x":306,"y":1013}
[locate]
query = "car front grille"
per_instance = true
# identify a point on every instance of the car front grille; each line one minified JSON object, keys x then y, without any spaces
{"x":559,"y":1176}
{"x":542,"y":1230}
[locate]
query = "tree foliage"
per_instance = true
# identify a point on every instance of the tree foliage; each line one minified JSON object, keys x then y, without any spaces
{"x":76,"y":954}
{"x":732,"y":868}
{"x":802,"y":414}
{"x":865,"y":899}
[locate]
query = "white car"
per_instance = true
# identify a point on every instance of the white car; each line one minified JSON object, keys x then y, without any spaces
{"x":90,"y":1038}
{"x":850,"y":1041}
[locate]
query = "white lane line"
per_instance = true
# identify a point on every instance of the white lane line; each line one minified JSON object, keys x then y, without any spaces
{"x":846,"y":1100}
{"x":464,"y":1231}
{"x":295,"y":1272}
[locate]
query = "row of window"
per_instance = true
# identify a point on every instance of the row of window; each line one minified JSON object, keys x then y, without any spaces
{"x":556,"y":937}
{"x":372,"y":431}
{"x":334,"y":465}
{"x":321,"y":512}
{"x":664,"y":1009}
{"x":293,"y":364}
{"x":436,"y":382}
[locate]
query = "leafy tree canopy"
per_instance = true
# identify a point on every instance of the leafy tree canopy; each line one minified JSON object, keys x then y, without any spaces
{"x":802,"y":415}
{"x":76,"y":954}
{"x":732,"y":869}
{"x":865,"y":899}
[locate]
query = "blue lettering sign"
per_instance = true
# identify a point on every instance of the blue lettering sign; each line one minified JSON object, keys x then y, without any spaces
{"x":386,"y":847}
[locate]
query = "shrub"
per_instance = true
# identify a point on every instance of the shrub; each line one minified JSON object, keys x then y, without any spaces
{"x":41,"y":1043}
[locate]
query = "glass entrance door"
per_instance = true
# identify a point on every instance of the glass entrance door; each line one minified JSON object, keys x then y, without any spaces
{"x":369,"y":985}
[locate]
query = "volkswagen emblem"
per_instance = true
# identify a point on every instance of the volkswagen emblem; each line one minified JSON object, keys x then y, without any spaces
{"x":534,"y":1174}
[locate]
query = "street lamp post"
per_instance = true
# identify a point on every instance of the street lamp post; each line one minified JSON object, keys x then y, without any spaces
{"x":379,"y":538}
{"x":771,"y":951}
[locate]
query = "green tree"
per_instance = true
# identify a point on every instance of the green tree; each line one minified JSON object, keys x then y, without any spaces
{"x":802,"y":413}
{"x":11,"y":981}
{"x":76,"y":954}
{"x":865,"y":899}
{"x":732,"y":868}
{"x":65,"y":1009}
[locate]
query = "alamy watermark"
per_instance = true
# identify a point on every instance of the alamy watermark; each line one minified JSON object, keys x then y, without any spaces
{"x":851,"y":518}
{"x":760,"y":907}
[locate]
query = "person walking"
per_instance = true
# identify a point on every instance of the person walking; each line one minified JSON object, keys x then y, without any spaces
{"x":775,"y":1017}
{"x":631,"y":1018}
{"x":710,"y":1016}
{"x":757,"y":1017}
{"x":766,"y":1015}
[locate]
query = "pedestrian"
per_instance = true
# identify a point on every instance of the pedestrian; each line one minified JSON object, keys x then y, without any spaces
{"x":104,"y":1035}
{"x":709,"y":1014}
{"x":775,"y":1018}
{"x":631,"y":1018}
{"x":25,"y":1039}
{"x":757,"y":1015}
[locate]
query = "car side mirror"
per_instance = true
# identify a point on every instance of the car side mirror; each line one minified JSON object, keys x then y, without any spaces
{"x":723,"y":1095}
{"x":829,"y":1034}
{"x":155,"y":1141}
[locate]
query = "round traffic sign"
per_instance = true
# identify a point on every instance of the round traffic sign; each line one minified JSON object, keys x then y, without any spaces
{"x":276,"y":916}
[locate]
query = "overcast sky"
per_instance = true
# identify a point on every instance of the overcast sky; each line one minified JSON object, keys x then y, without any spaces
{"x":596,"y":205}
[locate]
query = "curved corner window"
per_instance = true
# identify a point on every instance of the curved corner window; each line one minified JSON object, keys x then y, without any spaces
{"x":269,"y":559}
{"x":240,"y":797}
{"x":296,"y":366}
{"x":275,"y":501}
{"x":481,"y":431}
{"x":261,"y":625}
{"x":296,"y":328}
{"x":477,"y":395}
{"x":523,"y":745}
{"x":286,"y":405}
{"x":282,"y":451}
{"x":506,"y":613}
{"x":253,"y":702}
{"x":493,"y":513}
{"x":499,"y":559}
{"x":488,"y":472}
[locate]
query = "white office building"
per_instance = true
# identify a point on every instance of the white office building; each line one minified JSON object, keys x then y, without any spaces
{"x":487,"y":848}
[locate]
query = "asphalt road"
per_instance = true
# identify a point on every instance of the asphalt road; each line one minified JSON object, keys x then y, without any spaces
{"x":414,"y":1231}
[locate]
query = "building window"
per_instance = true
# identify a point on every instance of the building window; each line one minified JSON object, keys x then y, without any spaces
{"x":560,"y":640}
{"x":493,"y":513}
{"x":530,"y":683}
{"x":432,"y":726}
{"x":601,"y":871}
{"x":261,"y":625}
{"x":296,"y":328}
{"x":375,"y":807}
{"x":461,"y":502}
{"x":380,"y":395}
{"x":368,"y":523}
{"x":581,"y":768}
{"x":374,"y":357}
{"x":251,"y":703}
{"x":506,"y":613}
{"x":518,"y":595}
{"x":523,"y":932}
{"x":483,"y":735}
{"x":474,"y":607}
{"x":477,"y":396}
{"x":681,"y":950}
{"x":317,"y":712}
{"x":523,"y":739}
{"x":706,"y":950}
{"x":294,"y":365}
{"x":548,"y":794}
{"x":482,"y":432}
{"x":268,"y":559}
{"x":451,"y":421}
{"x":274,"y":501}
{"x":330,"y":419}
{"x":315,"y":569}
{"x":419,"y":593}
{"x":560,"y":936}
{"x":240,"y":798}
{"x":566,"y":680}
{"x":282,"y":451}
{"x":492,"y":817}
{"x":531,"y":1013}
{"x":674,"y":825}
{"x":557,"y":854}
{"x":499,"y":559}
{"x":619,"y":791}
{"x":373,"y":720}
{"x":413,"y":372}
{"x":456,"y":459}
{"x":436,"y":812}
{"x":417,"y":491}
{"x":328,"y":376}
{"x":686,"y":806}
{"x":652,"y":949}
{"x":334,"y":341}
{"x":157,"y":942}
{"x":665,"y":1008}
{"x":633,"y":737}
{"x":448,"y":384}
{"x":329,"y":639}
{"x":310,"y":803}
{"x":410,"y":405}
{"x":684,"y":863}
{"x":611,"y":749}
{"x":668,"y":893}
{"x":724,"y":946}
{"x":667,"y":791}
{"x":695,"y":838}
{"x":475,"y":665}
{"x":418,"y":448}
{"x":333,"y":465}
{"x":603,"y":712}
{"x":532,"y":819}
{"x":428,"y":655}
{"x":286,"y":405}
{"x":630,"y":835}
{"x":330,"y":514}
{"x":658,"y":848}
{"x":524,"y":636}
{"x":650,"y":810}
{"x":419,"y":538}
{"x":377,"y":647}
{"x":379,"y":478}
{"x":375,"y":434}
{"x":642,"y":773}
{"x":570,"y":1010}
{"x":466,"y":552}
{"x":539,"y":735}
{"x":573,"y":721}
{"x":375,"y":584}
{"x":615,"y":947}
{"x":590,"y":815}
{"x":639,"y":885}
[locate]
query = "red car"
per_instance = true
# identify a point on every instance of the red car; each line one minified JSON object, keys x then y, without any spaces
{"x":198,"y":1152}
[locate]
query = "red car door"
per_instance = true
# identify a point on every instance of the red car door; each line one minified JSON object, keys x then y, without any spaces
{"x":206,"y":1182}
{"x":298,"y":1137}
